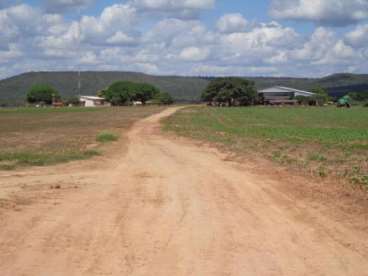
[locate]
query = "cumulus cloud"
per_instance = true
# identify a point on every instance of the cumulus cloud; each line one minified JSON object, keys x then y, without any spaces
{"x":19,"y":19}
{"x":194,"y":54}
{"x":9,"y":54}
{"x":232,"y":23}
{"x":61,"y":6}
{"x":173,"y":4}
{"x":112,"y":20}
{"x":173,"y":8}
{"x":119,"y":38}
{"x":359,"y":36}
{"x":329,"y":12}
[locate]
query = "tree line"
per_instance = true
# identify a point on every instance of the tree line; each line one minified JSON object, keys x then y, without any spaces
{"x":227,"y":91}
{"x":118,"y":94}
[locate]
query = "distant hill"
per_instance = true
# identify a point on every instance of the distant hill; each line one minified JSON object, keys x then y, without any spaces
{"x":13,"y":90}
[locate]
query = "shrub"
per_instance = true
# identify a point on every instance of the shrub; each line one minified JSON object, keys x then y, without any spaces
{"x":313,"y":100}
{"x":106,"y":137}
{"x":42,"y":93}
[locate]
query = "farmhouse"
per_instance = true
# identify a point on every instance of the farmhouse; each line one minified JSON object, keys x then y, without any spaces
{"x":92,"y":101}
{"x":282,"y":95}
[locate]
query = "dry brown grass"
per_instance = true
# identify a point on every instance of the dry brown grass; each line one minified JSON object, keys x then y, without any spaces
{"x":47,"y":136}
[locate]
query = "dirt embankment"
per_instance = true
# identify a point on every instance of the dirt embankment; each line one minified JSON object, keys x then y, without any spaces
{"x":168,"y":207}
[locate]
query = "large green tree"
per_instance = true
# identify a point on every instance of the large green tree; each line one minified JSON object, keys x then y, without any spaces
{"x":42,"y":93}
{"x":125,"y":92}
{"x":164,"y":98}
{"x":118,"y":93}
{"x":230,"y":91}
{"x":144,"y":92}
{"x":321,"y":96}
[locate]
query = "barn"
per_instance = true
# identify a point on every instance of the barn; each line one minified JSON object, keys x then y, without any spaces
{"x":282,"y":95}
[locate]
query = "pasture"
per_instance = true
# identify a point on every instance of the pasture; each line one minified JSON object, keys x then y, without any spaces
{"x":46,"y":136}
{"x":320,"y":141}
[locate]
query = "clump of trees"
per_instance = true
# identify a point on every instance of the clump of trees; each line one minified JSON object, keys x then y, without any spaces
{"x":42,"y":94}
{"x":359,"y":96}
{"x":230,"y":92}
{"x":319,"y":98}
{"x":163,"y":98}
{"x":125,"y":93}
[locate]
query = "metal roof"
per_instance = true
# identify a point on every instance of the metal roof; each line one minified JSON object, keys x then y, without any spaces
{"x":283,"y":89}
{"x":91,"y":98}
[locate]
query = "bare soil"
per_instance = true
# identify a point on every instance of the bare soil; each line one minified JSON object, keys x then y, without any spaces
{"x":165,"y":206}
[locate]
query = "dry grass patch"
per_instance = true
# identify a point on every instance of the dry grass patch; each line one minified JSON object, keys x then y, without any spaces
{"x":46,"y":136}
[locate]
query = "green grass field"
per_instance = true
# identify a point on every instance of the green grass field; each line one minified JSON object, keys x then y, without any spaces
{"x":47,"y":136}
{"x":322,"y":141}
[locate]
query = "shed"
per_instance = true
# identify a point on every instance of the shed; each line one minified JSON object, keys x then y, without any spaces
{"x":282,"y":95}
{"x":92,"y":101}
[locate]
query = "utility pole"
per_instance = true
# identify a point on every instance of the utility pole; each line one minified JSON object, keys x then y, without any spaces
{"x":78,"y":50}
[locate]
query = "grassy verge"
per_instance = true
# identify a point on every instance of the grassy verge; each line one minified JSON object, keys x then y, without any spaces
{"x":47,"y":136}
{"x":12,"y":160}
{"x":106,"y":137}
{"x":320,"y":141}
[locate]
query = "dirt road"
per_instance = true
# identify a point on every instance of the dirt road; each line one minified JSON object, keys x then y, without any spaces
{"x":167,"y":207}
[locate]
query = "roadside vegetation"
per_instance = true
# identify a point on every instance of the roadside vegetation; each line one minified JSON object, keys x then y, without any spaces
{"x":106,"y":137}
{"x":47,"y":136}
{"x":319,"y":141}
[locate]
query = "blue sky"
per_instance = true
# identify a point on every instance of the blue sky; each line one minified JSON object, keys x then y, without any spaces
{"x":304,"y":38}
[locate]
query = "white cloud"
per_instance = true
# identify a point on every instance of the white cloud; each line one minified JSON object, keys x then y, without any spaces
{"x":194,"y":54}
{"x":60,"y":6}
{"x":324,"y":48}
{"x":19,"y":19}
{"x":232,"y":23}
{"x":173,"y":4}
{"x":261,"y":40}
{"x":316,"y":47}
{"x":112,"y":19}
{"x":331,"y":12}
{"x":13,"y":52}
{"x":359,"y":36}
{"x":89,"y":58}
{"x":122,"y":38}
{"x":173,"y":8}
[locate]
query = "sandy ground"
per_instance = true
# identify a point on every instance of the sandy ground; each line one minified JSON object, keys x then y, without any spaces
{"x":167,"y":207}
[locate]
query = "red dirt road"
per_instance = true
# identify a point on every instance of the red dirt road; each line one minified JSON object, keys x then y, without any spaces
{"x":164,"y":207}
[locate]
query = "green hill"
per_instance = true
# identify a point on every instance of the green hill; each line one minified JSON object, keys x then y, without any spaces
{"x":14,"y":89}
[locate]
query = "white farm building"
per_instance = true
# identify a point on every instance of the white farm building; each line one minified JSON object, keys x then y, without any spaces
{"x":92,"y":101}
{"x":282,"y":95}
